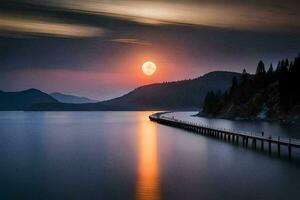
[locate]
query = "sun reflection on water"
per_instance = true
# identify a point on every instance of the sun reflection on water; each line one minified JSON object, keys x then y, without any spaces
{"x":147,"y":185}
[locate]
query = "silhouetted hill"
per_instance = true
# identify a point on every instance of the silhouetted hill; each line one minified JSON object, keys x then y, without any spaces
{"x":24,"y":99}
{"x":186,"y":94}
{"x":66,"y":98}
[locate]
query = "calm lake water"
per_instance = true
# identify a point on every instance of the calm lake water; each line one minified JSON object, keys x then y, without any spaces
{"x":123,"y":155}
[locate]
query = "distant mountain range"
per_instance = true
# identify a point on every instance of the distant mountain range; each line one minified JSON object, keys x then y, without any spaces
{"x":66,"y":98}
{"x":24,"y":99}
{"x":177,"y":95}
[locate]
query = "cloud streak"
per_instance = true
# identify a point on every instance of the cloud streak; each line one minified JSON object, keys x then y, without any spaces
{"x":131,"y":41}
{"x":240,"y":16}
{"x":88,"y":16}
{"x":47,"y":27}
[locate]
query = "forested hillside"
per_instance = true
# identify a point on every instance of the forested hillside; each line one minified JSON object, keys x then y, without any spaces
{"x":269,"y":94}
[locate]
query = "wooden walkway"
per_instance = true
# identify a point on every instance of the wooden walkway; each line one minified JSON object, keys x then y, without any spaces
{"x":233,"y":136}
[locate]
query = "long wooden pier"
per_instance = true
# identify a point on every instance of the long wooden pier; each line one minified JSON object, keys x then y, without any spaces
{"x":232,"y":136}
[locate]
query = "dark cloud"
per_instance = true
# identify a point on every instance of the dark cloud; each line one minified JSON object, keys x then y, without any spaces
{"x":264,"y":15}
{"x":197,"y":47}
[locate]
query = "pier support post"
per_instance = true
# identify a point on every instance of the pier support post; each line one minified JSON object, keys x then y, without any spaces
{"x":246,"y":141}
{"x":262,"y":144}
{"x":270,"y":150}
{"x":254,"y":143}
{"x":278,"y":146}
{"x":290,"y":150}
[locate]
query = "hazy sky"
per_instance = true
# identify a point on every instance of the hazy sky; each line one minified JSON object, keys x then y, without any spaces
{"x":96,"y":48}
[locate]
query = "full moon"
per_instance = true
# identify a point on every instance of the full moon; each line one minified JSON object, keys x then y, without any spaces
{"x":149,"y":68}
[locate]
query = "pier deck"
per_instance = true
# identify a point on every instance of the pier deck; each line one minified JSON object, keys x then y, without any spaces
{"x":229,"y":135}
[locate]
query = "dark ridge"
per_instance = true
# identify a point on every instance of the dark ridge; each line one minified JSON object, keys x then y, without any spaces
{"x":23,"y":100}
{"x":66,"y":98}
{"x":176,"y":95}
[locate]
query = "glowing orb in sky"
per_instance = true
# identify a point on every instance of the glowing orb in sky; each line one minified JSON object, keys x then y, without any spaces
{"x":149,"y":68}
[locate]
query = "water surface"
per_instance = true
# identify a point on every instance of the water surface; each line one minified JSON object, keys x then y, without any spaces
{"x":123,"y":155}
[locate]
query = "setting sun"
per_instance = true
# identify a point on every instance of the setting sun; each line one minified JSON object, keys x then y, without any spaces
{"x":149,"y":68}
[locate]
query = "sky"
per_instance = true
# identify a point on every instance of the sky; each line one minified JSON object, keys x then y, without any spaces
{"x":96,"y":48}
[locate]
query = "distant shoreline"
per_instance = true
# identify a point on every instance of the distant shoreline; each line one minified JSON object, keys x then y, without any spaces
{"x":254,"y":119}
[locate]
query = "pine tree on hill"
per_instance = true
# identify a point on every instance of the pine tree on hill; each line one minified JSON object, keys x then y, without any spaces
{"x":270,"y":70}
{"x":260,"y":68}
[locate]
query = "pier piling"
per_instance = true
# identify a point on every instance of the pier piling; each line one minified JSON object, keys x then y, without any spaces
{"x":290,"y":150}
{"x":278,"y":146}
{"x":254,"y":143}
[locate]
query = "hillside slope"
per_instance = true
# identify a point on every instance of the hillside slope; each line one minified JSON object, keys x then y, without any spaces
{"x":24,"y":99}
{"x":186,"y":94}
{"x":267,"y":95}
{"x":66,"y":98}
{"x":263,"y":105}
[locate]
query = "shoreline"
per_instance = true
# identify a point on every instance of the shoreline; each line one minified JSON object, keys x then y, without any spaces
{"x":254,"y":119}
